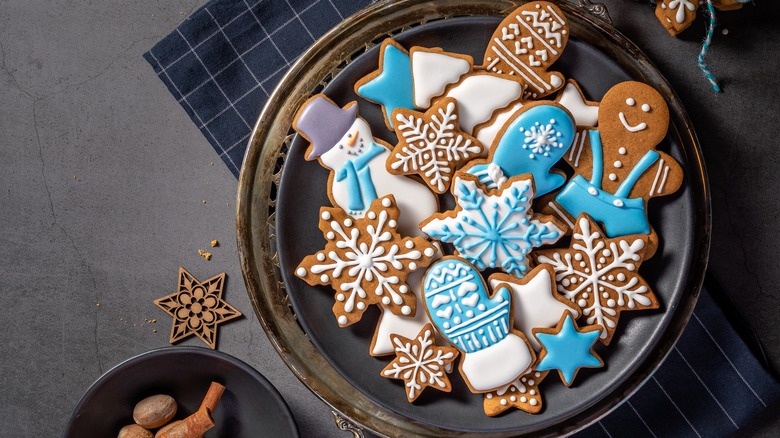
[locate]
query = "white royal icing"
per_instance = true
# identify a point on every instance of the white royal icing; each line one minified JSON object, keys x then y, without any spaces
{"x":635,"y":128}
{"x":584,"y":114}
{"x":479,"y":95}
{"x":432,"y":72}
{"x":487,"y":134}
{"x":533,"y":304}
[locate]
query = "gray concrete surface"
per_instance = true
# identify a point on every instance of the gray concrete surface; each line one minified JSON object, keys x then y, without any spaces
{"x":106,"y":188}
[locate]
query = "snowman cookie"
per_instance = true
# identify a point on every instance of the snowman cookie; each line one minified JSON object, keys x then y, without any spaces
{"x":617,"y":169}
{"x":342,"y":142}
{"x":526,"y":44}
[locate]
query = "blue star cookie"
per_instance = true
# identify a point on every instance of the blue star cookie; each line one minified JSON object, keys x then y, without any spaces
{"x":567,"y":348}
{"x":391,"y":85}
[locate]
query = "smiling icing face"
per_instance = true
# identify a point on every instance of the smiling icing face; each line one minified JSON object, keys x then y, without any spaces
{"x":634,"y":115}
{"x":352,"y":144}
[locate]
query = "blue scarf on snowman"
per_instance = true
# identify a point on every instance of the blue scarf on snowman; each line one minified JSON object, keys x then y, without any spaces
{"x":360,"y":186}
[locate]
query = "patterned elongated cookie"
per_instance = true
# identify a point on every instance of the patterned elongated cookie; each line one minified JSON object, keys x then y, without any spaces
{"x":601,"y":275}
{"x":477,"y":323}
{"x":420,"y":363}
{"x":366,"y":261}
{"x":676,"y":15}
{"x":617,"y":169}
{"x":431,"y":144}
{"x":526,"y":43}
{"x":494,"y":229}
{"x":343,"y":143}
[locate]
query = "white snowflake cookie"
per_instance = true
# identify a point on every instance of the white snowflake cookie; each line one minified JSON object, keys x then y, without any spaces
{"x":494,"y":229}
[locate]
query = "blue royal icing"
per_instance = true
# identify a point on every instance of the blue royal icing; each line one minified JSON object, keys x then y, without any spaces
{"x":620,"y":214}
{"x":532,"y":143}
{"x":458,"y":304}
{"x":393,"y":87}
{"x":360,"y":186}
{"x":568,"y":350}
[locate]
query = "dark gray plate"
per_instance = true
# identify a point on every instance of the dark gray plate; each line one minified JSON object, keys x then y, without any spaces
{"x":250,"y":405}
{"x":334,"y":362}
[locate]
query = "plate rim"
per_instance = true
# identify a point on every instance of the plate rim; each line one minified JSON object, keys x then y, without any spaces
{"x":254,"y":233}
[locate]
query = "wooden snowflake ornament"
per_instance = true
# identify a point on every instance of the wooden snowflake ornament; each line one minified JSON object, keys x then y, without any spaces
{"x":197,"y":308}
{"x":431,"y":144}
{"x":366,"y":261}
{"x":420,"y":363}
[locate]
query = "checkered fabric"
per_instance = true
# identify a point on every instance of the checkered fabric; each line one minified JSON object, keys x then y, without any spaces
{"x":223,"y":61}
{"x":221,"y":64}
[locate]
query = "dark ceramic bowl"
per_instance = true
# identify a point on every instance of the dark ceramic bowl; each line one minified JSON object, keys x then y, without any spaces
{"x":250,"y":405}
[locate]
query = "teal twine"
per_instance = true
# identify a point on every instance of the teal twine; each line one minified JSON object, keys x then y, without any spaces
{"x":706,"y":47}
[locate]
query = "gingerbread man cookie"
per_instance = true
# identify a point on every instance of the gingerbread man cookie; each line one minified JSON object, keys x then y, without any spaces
{"x":617,"y":169}
{"x":526,"y":44}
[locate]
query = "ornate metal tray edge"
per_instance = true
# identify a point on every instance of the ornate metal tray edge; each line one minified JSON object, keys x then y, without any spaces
{"x":260,"y":174}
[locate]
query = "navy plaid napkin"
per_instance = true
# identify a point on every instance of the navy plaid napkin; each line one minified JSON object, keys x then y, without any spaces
{"x":221,"y":64}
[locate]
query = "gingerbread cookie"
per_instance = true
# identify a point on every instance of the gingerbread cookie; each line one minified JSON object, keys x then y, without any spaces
{"x":480,"y":95}
{"x":676,"y":15}
{"x":522,"y":394}
{"x":342,"y":142}
{"x":420,"y":363}
{"x":404,"y":325}
{"x":366,"y":261}
{"x":433,"y":70}
{"x":601,"y":275}
{"x":567,"y":348}
{"x":526,"y":44}
{"x":431,"y":144}
{"x":535,"y":301}
{"x":621,"y":162}
{"x":391,"y":85}
{"x":531,"y":141}
{"x":493,"y":229}
{"x":476,"y":323}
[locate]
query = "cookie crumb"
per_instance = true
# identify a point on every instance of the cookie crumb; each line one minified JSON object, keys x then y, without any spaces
{"x":725,"y":31}
{"x":74,"y":177}
{"x":204,"y":254}
{"x":204,"y":201}
{"x":214,"y":243}
{"x":97,"y":304}
{"x":154,"y":331}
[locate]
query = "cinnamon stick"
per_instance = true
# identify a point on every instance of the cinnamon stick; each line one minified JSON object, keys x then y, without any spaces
{"x":191,"y":427}
{"x":212,"y":397}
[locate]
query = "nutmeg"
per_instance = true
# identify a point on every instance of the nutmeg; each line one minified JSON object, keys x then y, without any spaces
{"x":134,"y":431}
{"x":155,"y":411}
